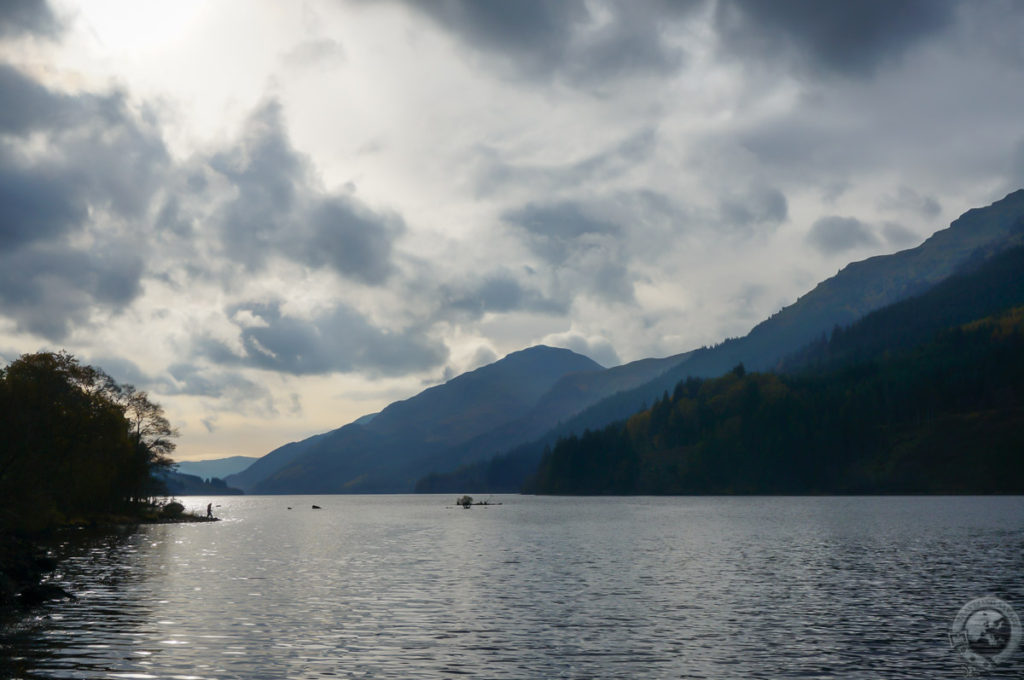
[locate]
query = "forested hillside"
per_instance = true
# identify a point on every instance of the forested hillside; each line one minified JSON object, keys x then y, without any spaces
{"x":946,"y":416}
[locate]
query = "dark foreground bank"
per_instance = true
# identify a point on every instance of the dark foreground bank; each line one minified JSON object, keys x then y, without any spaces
{"x":27,"y":559}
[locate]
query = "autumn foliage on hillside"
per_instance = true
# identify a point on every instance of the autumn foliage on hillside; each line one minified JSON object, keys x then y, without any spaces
{"x":945,"y":416}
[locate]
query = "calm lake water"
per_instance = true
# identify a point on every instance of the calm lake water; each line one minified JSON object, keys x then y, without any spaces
{"x":538,"y":587}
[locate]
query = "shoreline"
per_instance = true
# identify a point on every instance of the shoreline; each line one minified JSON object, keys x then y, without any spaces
{"x":25,"y":562}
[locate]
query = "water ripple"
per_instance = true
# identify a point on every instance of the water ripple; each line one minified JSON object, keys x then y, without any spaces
{"x":535,"y":588}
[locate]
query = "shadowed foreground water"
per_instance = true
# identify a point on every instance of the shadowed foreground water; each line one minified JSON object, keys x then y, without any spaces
{"x":405,"y":587}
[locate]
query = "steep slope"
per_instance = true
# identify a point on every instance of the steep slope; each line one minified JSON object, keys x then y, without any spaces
{"x":387,"y":453}
{"x":570,"y":395}
{"x":864,"y":286}
{"x":856,"y":290}
{"x":944,"y":416}
{"x":267,"y":465}
{"x":987,"y":289}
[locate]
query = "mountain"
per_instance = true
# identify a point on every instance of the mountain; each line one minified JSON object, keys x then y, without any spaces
{"x":388,"y":452}
{"x":179,"y":484}
{"x":942,"y":416}
{"x":570,"y":395}
{"x":269,"y":464}
{"x":981,"y":290}
{"x":215,"y":468}
{"x":861,"y":287}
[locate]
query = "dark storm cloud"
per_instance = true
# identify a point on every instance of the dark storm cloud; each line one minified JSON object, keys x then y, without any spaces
{"x":834,"y":234}
{"x":277,"y":211}
{"x":27,"y":104}
{"x":1016,"y":173}
{"x":341,"y":340}
{"x":48,"y":288}
{"x":266,"y":175}
{"x":906,"y":199}
{"x":898,"y":235}
{"x":555,"y":230}
{"x":499,"y":292}
{"x":36,"y":203}
{"x":350,"y":238}
{"x":27,"y":16}
{"x":230,"y":391}
{"x":852,"y":38}
{"x":543,"y":39}
{"x":95,"y":151}
{"x":122,"y":370}
{"x":760,"y":207}
{"x":92,"y":159}
{"x":590,"y":246}
{"x":611,"y":281}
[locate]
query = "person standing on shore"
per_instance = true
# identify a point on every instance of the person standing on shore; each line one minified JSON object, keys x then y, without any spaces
{"x":209,"y":510}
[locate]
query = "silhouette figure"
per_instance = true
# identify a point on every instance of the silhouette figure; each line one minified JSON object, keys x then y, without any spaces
{"x":209,"y":509}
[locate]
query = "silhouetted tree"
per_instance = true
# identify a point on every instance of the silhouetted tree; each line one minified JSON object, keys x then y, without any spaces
{"x":73,"y":443}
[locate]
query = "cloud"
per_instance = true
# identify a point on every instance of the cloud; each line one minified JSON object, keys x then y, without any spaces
{"x":498,"y":292}
{"x":224,"y":390}
{"x":48,"y":289}
{"x":1016,"y":173}
{"x":834,"y":234}
{"x":760,"y":207}
{"x":18,"y":17}
{"x":339,"y":340}
{"x":278,"y":210}
{"x":351,"y":239}
{"x":266,"y":175}
{"x":579,"y":42}
{"x":122,"y":370}
{"x":906,"y":199}
{"x":556,"y":230}
{"x":36,"y":203}
{"x":496,"y":174}
{"x":75,"y":172}
{"x":848,"y":38}
{"x":28,"y":105}
{"x":597,"y":348}
{"x":314,"y":53}
{"x":898,"y":235}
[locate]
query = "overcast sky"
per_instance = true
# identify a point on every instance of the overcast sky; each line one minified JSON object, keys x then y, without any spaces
{"x":279,"y":216}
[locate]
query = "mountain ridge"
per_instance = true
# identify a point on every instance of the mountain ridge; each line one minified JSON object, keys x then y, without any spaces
{"x":360,"y":456}
{"x":857,"y":289}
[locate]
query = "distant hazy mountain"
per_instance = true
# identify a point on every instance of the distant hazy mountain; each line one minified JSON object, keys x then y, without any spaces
{"x":216,"y":467}
{"x":272,"y":462}
{"x":856,"y":290}
{"x":388,"y":452}
{"x":179,"y":484}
